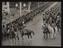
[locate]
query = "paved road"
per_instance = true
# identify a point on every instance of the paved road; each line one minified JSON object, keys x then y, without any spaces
{"x":37,"y":39}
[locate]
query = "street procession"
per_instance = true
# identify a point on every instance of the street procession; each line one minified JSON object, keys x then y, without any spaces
{"x":31,"y":23}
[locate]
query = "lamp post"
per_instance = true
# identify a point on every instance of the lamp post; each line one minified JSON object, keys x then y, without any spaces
{"x":20,"y":8}
{"x":29,"y":6}
{"x":8,"y":7}
{"x":38,"y":4}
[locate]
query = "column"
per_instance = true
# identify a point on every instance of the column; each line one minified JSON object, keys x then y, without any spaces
{"x":20,"y":8}
{"x":8,"y":8}
{"x":29,"y":5}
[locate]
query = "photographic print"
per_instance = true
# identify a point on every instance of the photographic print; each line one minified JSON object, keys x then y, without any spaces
{"x":31,"y":23}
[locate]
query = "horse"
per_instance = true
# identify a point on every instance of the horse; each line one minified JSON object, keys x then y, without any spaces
{"x":6,"y":33}
{"x":11,"y":33}
{"x":52,"y":31}
{"x":14,"y":33}
{"x":45,"y":31}
{"x":58,"y":25}
{"x":26,"y":32}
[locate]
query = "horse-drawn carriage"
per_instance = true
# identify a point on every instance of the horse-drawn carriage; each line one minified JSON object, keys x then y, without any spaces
{"x":27,"y":32}
{"x":12,"y":31}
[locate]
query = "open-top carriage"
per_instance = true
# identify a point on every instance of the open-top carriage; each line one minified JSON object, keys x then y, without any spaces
{"x":27,"y":32}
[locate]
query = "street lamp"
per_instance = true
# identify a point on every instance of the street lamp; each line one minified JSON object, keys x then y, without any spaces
{"x":24,"y":4}
{"x":16,"y":5}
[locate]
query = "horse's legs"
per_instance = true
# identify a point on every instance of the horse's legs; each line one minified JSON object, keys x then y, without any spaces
{"x":32,"y":33}
{"x":31,"y":36}
{"x":17,"y":37}
{"x":49,"y":35}
{"x":7,"y":37}
{"x":22,"y":37}
{"x":15,"y":40}
{"x":58,"y":28}
{"x":44,"y":35}
{"x":52,"y":35}
{"x":28,"y":36}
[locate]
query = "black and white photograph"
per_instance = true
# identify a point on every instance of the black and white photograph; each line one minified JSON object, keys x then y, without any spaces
{"x":31,"y":23}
